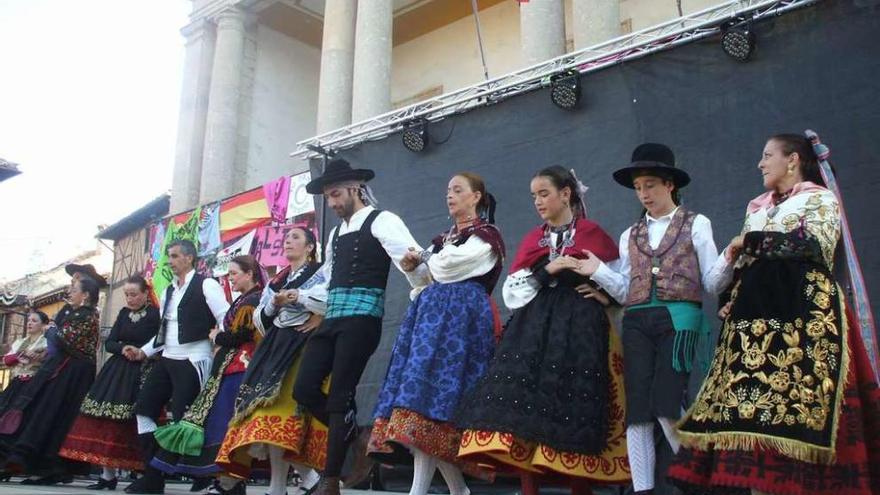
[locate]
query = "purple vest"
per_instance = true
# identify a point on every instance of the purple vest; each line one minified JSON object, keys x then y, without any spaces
{"x":673,"y":265}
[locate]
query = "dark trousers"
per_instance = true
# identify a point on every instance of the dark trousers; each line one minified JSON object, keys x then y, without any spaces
{"x":654,"y":389}
{"x":169,"y":379}
{"x":340,"y":348}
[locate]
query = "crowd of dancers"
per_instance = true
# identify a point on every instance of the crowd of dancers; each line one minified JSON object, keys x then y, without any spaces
{"x":563,"y":392}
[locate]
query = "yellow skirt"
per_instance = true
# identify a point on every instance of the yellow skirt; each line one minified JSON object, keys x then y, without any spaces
{"x":303,"y":438}
{"x":504,"y":452}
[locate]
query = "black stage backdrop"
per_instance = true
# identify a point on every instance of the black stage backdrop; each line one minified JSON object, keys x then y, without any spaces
{"x":816,"y":68}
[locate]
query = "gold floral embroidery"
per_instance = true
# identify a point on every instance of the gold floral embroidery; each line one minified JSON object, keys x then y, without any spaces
{"x":91,"y":407}
{"x":773,"y":388}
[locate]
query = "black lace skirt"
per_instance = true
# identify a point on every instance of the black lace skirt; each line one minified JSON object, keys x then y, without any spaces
{"x":548,"y":382}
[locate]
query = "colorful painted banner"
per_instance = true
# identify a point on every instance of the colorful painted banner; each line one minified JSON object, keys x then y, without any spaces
{"x":189,"y":230}
{"x":270,"y":245}
{"x":238,"y":248}
{"x":299,"y":201}
{"x":243,"y":213}
{"x":209,"y":230}
{"x":277,"y":193}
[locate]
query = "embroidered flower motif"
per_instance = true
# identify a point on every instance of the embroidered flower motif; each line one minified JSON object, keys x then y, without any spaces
{"x":759,"y":327}
{"x":822,"y":300}
{"x":780,"y":381}
{"x":816,"y":418}
{"x":821,"y":322}
{"x":753,"y":358}
{"x":746,"y":410}
{"x":820,"y":368}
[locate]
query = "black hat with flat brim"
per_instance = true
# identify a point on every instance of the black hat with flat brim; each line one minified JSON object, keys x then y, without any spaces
{"x":338,"y":170}
{"x":87,"y":270}
{"x":655,"y":160}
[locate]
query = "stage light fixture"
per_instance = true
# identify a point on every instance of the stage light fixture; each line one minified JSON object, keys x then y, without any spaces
{"x":415,"y":137}
{"x":738,"y":41}
{"x":565,"y":90}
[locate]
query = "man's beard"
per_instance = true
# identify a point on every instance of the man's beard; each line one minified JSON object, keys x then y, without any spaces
{"x":347,"y":209}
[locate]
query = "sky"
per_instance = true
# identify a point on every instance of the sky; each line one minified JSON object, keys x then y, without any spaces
{"x":89,"y":99}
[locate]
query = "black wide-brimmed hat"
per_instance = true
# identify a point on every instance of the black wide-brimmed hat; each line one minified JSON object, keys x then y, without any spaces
{"x":87,"y":270}
{"x":338,"y":170}
{"x":649,"y":157}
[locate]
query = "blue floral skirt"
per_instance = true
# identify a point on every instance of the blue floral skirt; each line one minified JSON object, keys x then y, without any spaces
{"x":444,"y":347}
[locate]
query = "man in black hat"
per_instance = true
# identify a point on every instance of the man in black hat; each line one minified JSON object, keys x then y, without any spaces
{"x":358,"y":256}
{"x":665,"y":265}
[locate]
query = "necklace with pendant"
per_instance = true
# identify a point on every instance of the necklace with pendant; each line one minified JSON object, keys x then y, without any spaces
{"x":135,"y":316}
{"x":567,"y":240}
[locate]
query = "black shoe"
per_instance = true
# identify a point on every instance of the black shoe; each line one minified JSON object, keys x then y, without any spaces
{"x":52,"y":479}
{"x":151,"y":482}
{"x":239,"y":488}
{"x":201,"y":484}
{"x":103,"y":484}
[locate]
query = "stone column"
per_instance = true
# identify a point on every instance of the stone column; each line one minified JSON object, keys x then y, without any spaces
{"x":371,"y":89}
{"x":542,"y":30}
{"x":199,"y":58}
{"x":595,"y":21}
{"x":337,"y":65}
{"x":221,"y":133}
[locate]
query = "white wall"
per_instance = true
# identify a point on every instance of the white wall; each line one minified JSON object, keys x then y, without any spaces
{"x":450,"y":57}
{"x":647,"y":13}
{"x":284,"y":105}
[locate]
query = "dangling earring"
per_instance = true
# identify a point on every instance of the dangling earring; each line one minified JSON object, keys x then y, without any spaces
{"x":790,"y":171}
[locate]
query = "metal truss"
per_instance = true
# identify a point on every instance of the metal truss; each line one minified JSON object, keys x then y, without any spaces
{"x":663,"y":36}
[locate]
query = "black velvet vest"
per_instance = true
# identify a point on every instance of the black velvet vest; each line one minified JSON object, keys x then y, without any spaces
{"x":194,"y":317}
{"x":359,"y":260}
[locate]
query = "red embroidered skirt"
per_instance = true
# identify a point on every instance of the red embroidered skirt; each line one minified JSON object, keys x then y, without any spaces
{"x":104,"y":442}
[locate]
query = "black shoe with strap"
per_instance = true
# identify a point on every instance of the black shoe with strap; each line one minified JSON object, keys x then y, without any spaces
{"x":103,"y":484}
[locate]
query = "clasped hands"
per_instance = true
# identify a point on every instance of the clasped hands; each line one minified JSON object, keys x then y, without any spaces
{"x":586,"y":267}
{"x":133,"y":353}
{"x":410,"y":260}
{"x":284,"y":297}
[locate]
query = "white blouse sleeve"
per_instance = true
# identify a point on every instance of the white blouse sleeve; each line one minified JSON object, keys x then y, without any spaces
{"x":720,"y":275}
{"x":707,"y":254}
{"x":396,"y":239}
{"x":265,"y":307}
{"x":520,"y":288}
{"x":313,"y":293}
{"x":613,"y":277}
{"x":471,"y":259}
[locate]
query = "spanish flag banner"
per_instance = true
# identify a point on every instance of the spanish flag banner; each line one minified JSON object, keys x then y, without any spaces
{"x":242,"y":213}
